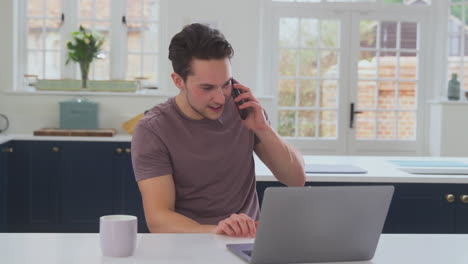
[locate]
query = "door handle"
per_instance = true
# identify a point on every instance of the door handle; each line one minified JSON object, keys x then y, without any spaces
{"x":351,"y":115}
{"x":464,"y":198}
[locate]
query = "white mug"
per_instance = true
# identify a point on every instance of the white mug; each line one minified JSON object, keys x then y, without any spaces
{"x":118,"y":235}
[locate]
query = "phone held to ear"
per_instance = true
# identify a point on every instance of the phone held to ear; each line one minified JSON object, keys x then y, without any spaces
{"x":234,"y":94}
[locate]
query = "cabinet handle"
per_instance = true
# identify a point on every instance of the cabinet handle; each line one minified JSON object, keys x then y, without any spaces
{"x":118,"y":150}
{"x":450,"y":198}
{"x":9,"y":150}
{"x":128,"y":150}
{"x":55,"y":149}
{"x":464,"y":198}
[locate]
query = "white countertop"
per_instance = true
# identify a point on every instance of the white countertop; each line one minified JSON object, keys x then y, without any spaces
{"x":207,"y":248}
{"x":116,"y":138}
{"x":379,"y":169}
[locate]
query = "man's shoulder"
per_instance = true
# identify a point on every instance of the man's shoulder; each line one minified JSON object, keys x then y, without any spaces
{"x":159,"y":114}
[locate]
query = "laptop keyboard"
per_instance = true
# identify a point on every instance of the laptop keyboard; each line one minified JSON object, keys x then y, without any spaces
{"x":248,"y":252}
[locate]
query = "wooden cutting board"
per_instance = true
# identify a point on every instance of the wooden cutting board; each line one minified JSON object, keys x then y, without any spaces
{"x":106,"y":132}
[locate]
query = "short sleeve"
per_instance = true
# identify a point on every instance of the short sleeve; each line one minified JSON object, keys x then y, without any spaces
{"x":150,"y":157}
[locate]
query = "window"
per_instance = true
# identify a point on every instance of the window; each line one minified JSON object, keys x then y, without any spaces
{"x":348,"y":76}
{"x":44,"y":45}
{"x":458,"y":42}
{"x":131,"y":29}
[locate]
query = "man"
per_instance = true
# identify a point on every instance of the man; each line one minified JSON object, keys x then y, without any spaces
{"x":193,"y":155}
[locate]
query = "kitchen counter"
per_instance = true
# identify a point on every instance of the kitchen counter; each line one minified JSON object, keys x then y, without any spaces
{"x":379,"y":169}
{"x":26,"y":248}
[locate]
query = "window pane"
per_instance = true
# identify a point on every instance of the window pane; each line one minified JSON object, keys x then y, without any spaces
{"x":286,"y":124}
{"x":368,"y":31}
{"x":409,"y":35}
{"x":387,"y":95}
{"x":329,"y":37}
{"x":329,"y":64}
{"x":387,"y":67}
{"x":35,"y":8}
{"x":133,"y":40}
{"x":408,"y":66}
{"x":306,"y":124}
{"x":151,"y":9}
{"x":35,"y":35}
{"x":287,"y":64}
{"x":52,"y":70}
{"x":52,"y":37}
{"x":288,"y":33}
{"x":365,"y":125}
{"x":53,"y":8}
{"x":328,"y":93}
{"x":407,"y":125}
{"x":101,"y":69}
{"x":287,"y":93}
{"x":386,"y":125}
{"x":307,"y":92}
{"x":134,"y":9}
{"x":86,"y":8}
{"x":453,"y":67}
{"x":366,"y":94}
{"x":309,"y":33}
{"x":407,"y":95}
{"x":103,"y":9}
{"x":150,"y":67}
{"x":327,"y":128}
{"x":35,"y":63}
{"x":367,"y":65}
{"x":308,"y":60}
{"x":150,"y":37}
{"x":133,"y":66}
{"x":388,"y":35}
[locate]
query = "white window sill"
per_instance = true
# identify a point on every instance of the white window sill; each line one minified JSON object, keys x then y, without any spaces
{"x":144,"y":92}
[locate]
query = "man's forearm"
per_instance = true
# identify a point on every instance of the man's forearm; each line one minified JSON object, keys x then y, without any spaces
{"x":284,"y":161}
{"x":173,"y":222}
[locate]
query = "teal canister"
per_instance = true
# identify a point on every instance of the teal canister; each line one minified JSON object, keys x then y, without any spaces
{"x":78,"y":114}
{"x":453,"y":92}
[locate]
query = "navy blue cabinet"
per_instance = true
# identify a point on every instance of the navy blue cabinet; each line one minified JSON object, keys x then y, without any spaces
{"x":5,"y":150}
{"x":416,"y":207}
{"x":59,"y":186}
{"x":89,"y":187}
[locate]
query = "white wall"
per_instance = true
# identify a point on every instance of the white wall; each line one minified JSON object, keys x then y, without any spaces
{"x":238,"y":20}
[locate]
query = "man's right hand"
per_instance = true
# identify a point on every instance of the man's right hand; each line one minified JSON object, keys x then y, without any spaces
{"x":237,"y":225}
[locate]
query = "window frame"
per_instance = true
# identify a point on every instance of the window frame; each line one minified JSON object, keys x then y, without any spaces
{"x":118,"y":38}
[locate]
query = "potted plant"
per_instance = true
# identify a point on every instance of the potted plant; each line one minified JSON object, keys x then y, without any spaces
{"x":84,"y":47}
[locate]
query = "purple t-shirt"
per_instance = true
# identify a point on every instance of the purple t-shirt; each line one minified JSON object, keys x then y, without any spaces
{"x":211,"y":161}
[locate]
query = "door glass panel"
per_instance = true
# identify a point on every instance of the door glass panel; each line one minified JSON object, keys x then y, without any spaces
{"x":310,"y":61}
{"x":306,"y":123}
{"x":387,"y":79}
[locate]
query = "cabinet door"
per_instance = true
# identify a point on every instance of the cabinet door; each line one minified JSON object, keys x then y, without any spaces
{"x":44,"y":172}
{"x":18,"y":196}
{"x":461,"y":225}
{"x":89,"y":186}
{"x":421,"y":208}
{"x":4,"y":150}
{"x":131,"y":196}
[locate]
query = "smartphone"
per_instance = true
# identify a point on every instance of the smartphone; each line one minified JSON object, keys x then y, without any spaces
{"x":234,"y":94}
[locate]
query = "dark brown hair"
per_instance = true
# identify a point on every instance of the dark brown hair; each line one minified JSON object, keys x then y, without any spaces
{"x":200,"y":42}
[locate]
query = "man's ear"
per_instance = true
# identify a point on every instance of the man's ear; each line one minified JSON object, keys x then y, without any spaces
{"x":178,"y":81}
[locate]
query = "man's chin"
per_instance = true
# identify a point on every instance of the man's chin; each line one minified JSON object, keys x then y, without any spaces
{"x":213,"y":115}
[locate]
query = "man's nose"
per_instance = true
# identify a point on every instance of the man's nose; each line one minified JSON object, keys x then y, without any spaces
{"x":219,"y":96}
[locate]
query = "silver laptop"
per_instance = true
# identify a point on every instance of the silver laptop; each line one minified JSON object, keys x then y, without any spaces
{"x":318,"y":224}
